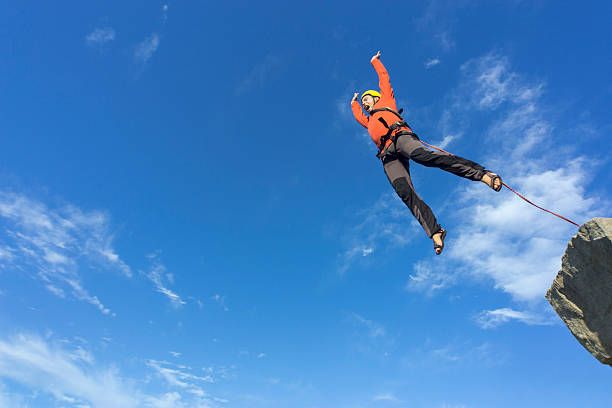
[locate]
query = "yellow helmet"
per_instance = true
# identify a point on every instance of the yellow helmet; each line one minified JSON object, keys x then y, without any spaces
{"x":371,"y":92}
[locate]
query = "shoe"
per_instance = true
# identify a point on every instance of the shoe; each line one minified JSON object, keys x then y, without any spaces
{"x":440,"y":248}
{"x":493,"y":178}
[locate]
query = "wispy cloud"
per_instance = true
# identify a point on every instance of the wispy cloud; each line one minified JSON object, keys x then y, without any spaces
{"x":432,"y":62}
{"x":488,"y":319}
{"x":457,"y":353}
{"x":100,"y":36}
{"x":221,"y":301}
{"x":370,"y":337}
{"x":145,"y":50}
{"x":70,"y":376}
{"x":443,"y":144}
{"x":10,"y":400}
{"x":164,"y":13}
{"x":372,"y":232}
{"x":375,"y":330}
{"x":179,"y":376}
{"x":436,"y":23}
{"x":60,"y":373}
{"x":55,"y":245}
{"x":388,"y":397}
{"x":158,"y":275}
{"x":259,"y":74}
{"x":430,"y":278}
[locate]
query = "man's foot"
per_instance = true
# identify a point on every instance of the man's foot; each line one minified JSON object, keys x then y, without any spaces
{"x":438,"y":240}
{"x":492,"y":180}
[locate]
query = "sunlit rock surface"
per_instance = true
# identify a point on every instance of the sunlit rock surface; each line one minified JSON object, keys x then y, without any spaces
{"x":581,"y":294}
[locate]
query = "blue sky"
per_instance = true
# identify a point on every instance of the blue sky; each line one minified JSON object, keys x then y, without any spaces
{"x":191,"y":217}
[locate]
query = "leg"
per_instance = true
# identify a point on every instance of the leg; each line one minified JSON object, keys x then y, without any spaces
{"x":399,"y":176}
{"x":410,"y":148}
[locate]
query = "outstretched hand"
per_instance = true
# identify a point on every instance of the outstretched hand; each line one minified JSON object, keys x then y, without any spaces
{"x":355,"y":96}
{"x":377,"y":56}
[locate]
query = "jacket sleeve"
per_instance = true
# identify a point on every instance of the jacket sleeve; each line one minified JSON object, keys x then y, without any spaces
{"x":383,"y":78}
{"x":359,"y":115}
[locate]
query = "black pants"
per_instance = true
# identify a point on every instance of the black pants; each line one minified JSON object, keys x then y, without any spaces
{"x":396,"y":163}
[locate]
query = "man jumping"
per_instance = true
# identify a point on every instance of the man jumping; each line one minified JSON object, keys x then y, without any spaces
{"x":397,"y":144}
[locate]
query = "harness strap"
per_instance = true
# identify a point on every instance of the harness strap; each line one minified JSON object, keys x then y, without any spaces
{"x":394,"y":126}
{"x":398,"y":113}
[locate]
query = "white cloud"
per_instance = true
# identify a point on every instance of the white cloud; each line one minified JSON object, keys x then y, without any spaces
{"x":445,"y":40}
{"x":6,"y":253}
{"x":372,"y":232}
{"x":375,"y":330}
{"x":157,"y":274}
{"x":57,"y":245}
{"x":261,"y":355}
{"x":145,"y":50}
{"x":445,"y":141}
{"x":9,"y":400}
{"x":488,"y":319}
{"x":437,"y":22}
{"x":463,"y":353}
{"x":432,"y":62}
{"x":430,"y":277}
{"x":388,"y":397}
{"x":70,"y":377}
{"x":366,"y":251}
{"x":178,"y":376}
{"x":489,"y":81}
{"x":100,"y":36}
{"x":221,"y":301}
{"x":32,"y":362}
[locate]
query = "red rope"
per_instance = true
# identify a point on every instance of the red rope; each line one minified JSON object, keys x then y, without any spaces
{"x":508,"y":187}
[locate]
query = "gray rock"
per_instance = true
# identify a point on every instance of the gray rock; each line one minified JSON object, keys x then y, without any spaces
{"x":581,"y":294}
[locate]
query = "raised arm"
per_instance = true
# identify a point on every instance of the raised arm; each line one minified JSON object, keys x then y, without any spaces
{"x":357,"y":112}
{"x":383,"y":76}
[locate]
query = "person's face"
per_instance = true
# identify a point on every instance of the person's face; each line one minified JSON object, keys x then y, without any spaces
{"x":368,"y":102}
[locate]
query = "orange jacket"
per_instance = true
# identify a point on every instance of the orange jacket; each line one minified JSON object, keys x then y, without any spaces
{"x":375,"y":127}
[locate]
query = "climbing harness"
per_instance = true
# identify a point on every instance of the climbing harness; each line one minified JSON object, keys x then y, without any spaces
{"x":391,"y":128}
{"x":509,"y":188}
